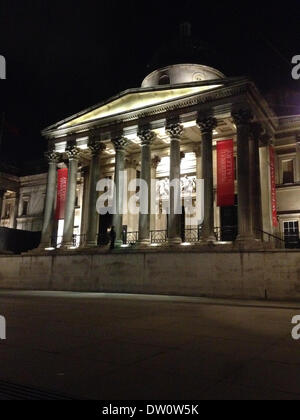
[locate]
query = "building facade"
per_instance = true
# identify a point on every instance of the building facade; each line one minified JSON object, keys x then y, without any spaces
{"x":167,"y":129}
{"x":22,"y":201}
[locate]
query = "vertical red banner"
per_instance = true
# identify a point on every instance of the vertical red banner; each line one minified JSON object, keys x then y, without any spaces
{"x":62,"y":183}
{"x":225,"y":162}
{"x":273,"y":187}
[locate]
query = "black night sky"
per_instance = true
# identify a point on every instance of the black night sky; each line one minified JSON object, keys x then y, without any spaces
{"x":65,"y":56}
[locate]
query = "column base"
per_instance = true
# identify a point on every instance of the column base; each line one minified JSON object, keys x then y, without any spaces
{"x":174,"y":241}
{"x":143,"y":243}
{"x":209,"y":239}
{"x":119,"y":243}
{"x":249,"y":243}
{"x":67,"y":246}
{"x":90,"y":244}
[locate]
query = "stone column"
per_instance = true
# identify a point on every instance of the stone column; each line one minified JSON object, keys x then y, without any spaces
{"x":48,"y":223}
{"x":175,"y":208}
{"x":207,"y":125}
{"x":120,"y":145}
{"x":131,"y":219}
{"x":147,"y":137}
{"x":242,"y":119}
{"x":73,"y":154}
{"x":154,"y":164}
{"x":96,"y":148}
{"x":16,"y":210}
{"x":2,"y":193}
{"x":267,"y":220}
{"x":198,"y":154}
{"x":255,"y":186}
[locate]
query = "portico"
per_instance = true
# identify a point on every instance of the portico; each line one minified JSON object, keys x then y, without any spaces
{"x":170,"y":132}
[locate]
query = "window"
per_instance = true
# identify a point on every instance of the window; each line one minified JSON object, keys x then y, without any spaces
{"x":164,"y":80}
{"x":291,"y":232}
{"x":288,"y":173}
{"x":25,"y":207}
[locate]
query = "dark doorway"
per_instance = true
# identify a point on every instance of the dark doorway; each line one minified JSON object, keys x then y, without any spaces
{"x":105,"y":223}
{"x":183,"y":225}
{"x":229,"y":222}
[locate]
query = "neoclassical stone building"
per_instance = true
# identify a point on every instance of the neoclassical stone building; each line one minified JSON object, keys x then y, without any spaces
{"x":170,"y":128}
{"x":22,"y":201}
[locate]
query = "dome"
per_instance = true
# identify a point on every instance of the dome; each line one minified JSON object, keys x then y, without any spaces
{"x":181,"y":73}
{"x":183,"y":48}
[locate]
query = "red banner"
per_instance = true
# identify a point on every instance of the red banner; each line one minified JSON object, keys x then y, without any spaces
{"x":225,"y":162}
{"x":273,"y":187}
{"x":62,"y":182}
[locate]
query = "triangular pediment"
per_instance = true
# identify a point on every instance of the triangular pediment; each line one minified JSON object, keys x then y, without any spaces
{"x":135,"y":101}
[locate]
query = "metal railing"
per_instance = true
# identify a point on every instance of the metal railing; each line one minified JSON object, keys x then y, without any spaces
{"x":226,"y":233}
{"x":131,"y":238}
{"x":77,"y":241}
{"x":159,"y":236}
{"x":190,"y":235}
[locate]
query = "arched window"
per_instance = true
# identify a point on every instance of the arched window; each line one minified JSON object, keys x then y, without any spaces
{"x":164,"y":80}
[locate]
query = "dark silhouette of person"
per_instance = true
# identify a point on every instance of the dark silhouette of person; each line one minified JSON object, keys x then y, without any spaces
{"x":113,"y":236}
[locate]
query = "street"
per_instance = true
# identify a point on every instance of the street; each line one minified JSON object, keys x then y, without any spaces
{"x":118,"y":347}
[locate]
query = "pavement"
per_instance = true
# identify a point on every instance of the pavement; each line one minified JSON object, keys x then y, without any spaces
{"x":123,"y":347}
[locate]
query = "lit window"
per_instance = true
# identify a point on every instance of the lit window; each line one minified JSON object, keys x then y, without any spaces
{"x":291,"y":232}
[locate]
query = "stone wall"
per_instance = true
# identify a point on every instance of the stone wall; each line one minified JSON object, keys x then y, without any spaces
{"x":271,"y":274}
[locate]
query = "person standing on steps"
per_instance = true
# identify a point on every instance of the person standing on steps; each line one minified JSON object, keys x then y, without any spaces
{"x":113,"y":236}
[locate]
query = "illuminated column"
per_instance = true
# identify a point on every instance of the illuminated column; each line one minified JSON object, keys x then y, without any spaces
{"x":16,"y":210}
{"x":198,"y":154}
{"x":96,"y":148}
{"x":154,"y":164}
{"x":207,"y":125}
{"x":174,"y":235}
{"x":73,"y":154}
{"x":242,"y":119}
{"x":147,"y":137}
{"x":255,"y":186}
{"x":2,"y":192}
{"x":48,"y":223}
{"x":120,"y":145}
{"x":267,"y":222}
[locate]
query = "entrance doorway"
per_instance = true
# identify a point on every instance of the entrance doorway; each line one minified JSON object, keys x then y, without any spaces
{"x":229,"y":222}
{"x":105,"y":223}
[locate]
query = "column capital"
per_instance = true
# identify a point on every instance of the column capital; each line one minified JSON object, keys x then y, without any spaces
{"x":52,"y":156}
{"x":147,"y":136}
{"x":242,"y":116}
{"x":120,"y":143}
{"x":174,"y":130}
{"x":96,"y":147}
{"x":73,"y":152}
{"x":207,"y":124}
{"x":155,"y":162}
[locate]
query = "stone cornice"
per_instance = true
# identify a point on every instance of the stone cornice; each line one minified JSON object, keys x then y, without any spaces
{"x":232,"y":90}
{"x":182,"y":105}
